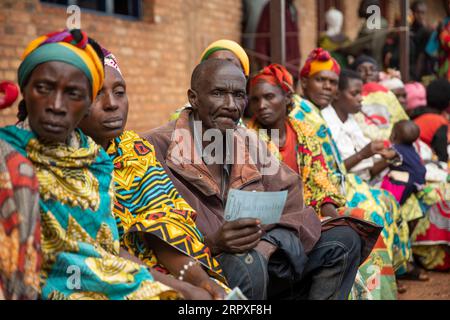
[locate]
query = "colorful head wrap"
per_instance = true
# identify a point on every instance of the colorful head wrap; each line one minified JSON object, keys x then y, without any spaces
{"x":277,"y":75}
{"x":111,"y":60}
{"x":319,"y":60}
{"x":231,"y":46}
{"x":71,"y":47}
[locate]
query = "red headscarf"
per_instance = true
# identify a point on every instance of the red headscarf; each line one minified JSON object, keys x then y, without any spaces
{"x":277,"y":75}
{"x":319,"y":60}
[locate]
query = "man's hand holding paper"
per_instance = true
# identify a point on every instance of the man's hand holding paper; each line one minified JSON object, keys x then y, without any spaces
{"x":264,"y":206}
{"x":245,"y":213}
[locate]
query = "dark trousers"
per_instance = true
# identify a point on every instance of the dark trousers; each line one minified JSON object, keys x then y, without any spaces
{"x":329,"y":271}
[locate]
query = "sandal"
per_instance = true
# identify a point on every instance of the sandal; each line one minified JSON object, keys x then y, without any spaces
{"x":415,"y":274}
{"x":401,"y":288}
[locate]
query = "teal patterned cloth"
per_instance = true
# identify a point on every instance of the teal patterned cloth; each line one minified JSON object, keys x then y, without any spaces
{"x":80,"y":240}
{"x":380,"y":206}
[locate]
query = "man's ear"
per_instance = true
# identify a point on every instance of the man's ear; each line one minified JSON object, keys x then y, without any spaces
{"x":192,"y":97}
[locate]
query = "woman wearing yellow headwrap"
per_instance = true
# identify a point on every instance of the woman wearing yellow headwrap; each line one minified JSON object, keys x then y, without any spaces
{"x":320,"y":77}
{"x":226,"y":50}
{"x":60,"y":75}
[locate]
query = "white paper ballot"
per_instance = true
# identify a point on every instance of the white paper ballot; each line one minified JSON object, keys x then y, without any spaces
{"x":265,"y":206}
{"x":236,"y":294}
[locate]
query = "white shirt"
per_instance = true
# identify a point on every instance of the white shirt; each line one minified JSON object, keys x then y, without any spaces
{"x":349,"y":139}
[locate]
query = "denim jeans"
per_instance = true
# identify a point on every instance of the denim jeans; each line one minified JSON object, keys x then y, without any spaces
{"x":329,"y":272}
{"x":248,"y":271}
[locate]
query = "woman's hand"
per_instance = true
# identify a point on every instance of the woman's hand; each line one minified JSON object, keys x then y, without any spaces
{"x":216,"y":291}
{"x":237,"y":236}
{"x":376,"y":147}
{"x":388,"y":154}
{"x":191,"y":292}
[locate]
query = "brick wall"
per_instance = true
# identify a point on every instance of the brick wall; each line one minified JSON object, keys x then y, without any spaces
{"x":307,"y":10}
{"x":156,"y":55}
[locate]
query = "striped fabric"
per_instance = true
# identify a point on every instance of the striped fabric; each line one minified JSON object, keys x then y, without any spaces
{"x":147,"y":202}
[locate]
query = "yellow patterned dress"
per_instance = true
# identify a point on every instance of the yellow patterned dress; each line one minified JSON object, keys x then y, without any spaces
{"x":146,"y":201}
{"x":375,"y":278}
{"x":80,"y":240}
{"x":380,"y":111}
{"x":379,"y":205}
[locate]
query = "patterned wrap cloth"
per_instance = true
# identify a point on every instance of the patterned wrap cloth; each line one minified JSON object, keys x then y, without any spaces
{"x":20,"y":249}
{"x":430,"y":239}
{"x":380,"y":111}
{"x":319,"y":189}
{"x":147,"y":202}
{"x":80,"y":240}
{"x":393,"y":250}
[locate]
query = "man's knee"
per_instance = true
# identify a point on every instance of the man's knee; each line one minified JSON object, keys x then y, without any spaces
{"x":248,"y":271}
{"x":346,"y":239}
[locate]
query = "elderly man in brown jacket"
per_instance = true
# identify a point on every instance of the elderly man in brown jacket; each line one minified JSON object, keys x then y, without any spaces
{"x":291,"y":259}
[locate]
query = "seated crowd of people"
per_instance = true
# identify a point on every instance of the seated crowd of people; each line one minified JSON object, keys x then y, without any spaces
{"x":89,"y":210}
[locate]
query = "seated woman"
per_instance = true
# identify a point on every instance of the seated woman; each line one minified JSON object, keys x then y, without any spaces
{"x":60,"y":75}
{"x":271,"y":98}
{"x":320,"y":79}
{"x":433,"y":118}
{"x":431,"y":237}
{"x":20,"y":254}
{"x":351,"y":144}
{"x":408,"y":176}
{"x":361,"y":156}
{"x":380,"y":106}
{"x":155,"y":223}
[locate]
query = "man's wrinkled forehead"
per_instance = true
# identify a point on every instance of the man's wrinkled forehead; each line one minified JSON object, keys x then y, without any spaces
{"x":218,"y":73}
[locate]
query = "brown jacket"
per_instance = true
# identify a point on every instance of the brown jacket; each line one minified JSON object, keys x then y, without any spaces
{"x":195,"y":183}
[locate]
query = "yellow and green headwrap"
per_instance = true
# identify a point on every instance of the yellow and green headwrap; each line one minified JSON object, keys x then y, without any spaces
{"x":231,"y":46}
{"x":71,"y":47}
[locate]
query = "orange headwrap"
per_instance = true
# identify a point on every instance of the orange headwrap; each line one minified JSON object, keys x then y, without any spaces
{"x":319,"y":60}
{"x":277,"y":75}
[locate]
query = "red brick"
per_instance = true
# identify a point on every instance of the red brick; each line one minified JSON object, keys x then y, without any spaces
{"x":156,"y":58}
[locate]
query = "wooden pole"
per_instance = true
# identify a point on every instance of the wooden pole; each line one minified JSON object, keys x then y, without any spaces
{"x":277,"y":31}
{"x":404,"y":41}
